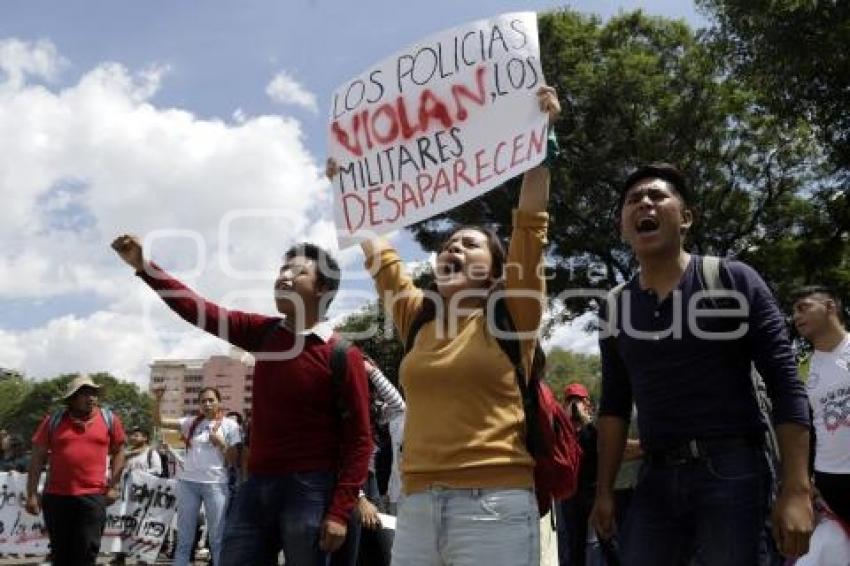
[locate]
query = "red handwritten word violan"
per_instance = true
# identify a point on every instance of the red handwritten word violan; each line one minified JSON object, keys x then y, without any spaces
{"x":389,"y":122}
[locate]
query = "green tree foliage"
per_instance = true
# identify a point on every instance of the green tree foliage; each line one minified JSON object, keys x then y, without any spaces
{"x":125,"y":398}
{"x":42,"y":397}
{"x":639,"y":89}
{"x":13,"y":388}
{"x":794,"y":55}
{"x":369,"y":330}
{"x":813,"y":249}
{"x":795,"y":52}
{"x":564,"y":367}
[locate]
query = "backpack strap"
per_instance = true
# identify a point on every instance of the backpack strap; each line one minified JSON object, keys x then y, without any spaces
{"x":150,"y":457}
{"x":109,"y":419}
{"x":339,"y":374}
{"x":53,"y":424}
{"x":711,"y":266}
{"x":618,"y":290}
{"x":511,"y":346}
{"x":513,"y":349}
{"x":268,"y":329}
{"x":187,"y":440}
{"x":415,"y":326}
{"x":56,"y":418}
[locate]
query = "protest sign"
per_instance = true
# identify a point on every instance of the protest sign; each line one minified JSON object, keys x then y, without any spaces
{"x":138,"y":522}
{"x":135,"y":524}
{"x":435,"y":125}
{"x":20,"y":532}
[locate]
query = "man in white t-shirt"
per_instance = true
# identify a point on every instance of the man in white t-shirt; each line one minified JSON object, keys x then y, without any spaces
{"x":819,"y":318}
{"x":141,"y":455}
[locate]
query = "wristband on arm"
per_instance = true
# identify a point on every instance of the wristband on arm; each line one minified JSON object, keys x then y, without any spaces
{"x":553,"y":150}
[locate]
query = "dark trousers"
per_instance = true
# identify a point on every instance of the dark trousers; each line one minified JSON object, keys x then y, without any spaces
{"x":350,"y":549}
{"x":356,"y":535}
{"x":571,"y":519}
{"x":74,"y":524}
{"x":711,"y":509}
{"x":835,"y":490}
{"x":573,"y":513}
{"x":277,"y":511}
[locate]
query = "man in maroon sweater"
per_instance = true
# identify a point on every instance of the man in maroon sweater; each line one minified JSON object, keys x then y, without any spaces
{"x":310,"y":441}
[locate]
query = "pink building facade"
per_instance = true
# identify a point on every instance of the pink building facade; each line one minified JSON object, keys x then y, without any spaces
{"x":182,"y":380}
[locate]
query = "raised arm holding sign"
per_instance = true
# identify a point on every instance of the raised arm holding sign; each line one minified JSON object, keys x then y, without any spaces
{"x":465,"y":423}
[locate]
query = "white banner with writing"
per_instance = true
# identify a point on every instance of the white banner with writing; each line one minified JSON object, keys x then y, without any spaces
{"x":20,"y":532}
{"x":136,"y":524}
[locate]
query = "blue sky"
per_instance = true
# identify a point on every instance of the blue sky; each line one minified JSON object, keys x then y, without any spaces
{"x":163,"y":118}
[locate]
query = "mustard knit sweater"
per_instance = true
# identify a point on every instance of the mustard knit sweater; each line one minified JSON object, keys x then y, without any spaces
{"x":465,"y":426}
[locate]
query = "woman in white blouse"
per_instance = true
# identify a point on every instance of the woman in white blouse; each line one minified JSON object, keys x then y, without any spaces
{"x":204,"y":476}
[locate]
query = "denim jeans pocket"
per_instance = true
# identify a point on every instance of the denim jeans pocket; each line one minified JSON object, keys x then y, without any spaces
{"x":507,"y":505}
{"x":737,"y":464}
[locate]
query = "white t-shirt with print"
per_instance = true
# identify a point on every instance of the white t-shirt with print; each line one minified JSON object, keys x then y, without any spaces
{"x":147,"y":460}
{"x":204,"y":463}
{"x":828,"y":387}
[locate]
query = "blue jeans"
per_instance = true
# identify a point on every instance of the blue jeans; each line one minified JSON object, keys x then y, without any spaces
{"x":711,"y":510}
{"x":274,"y":511}
{"x":468,"y":527}
{"x":190,"y":495}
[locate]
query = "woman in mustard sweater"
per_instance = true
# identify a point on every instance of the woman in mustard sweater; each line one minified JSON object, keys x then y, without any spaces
{"x":467,"y":476}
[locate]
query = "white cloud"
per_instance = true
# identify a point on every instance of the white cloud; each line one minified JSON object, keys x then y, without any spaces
{"x":284,"y":89}
{"x":97,"y":158}
{"x":18,"y":60}
{"x":103,"y":341}
{"x":574,"y":337}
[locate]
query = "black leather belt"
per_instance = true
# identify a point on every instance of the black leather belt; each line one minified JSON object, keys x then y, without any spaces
{"x":697,"y":449}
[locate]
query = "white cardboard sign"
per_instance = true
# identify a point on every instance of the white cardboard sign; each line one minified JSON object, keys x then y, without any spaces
{"x":436,"y":124}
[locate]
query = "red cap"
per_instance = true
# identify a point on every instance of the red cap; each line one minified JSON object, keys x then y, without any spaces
{"x":576,"y":390}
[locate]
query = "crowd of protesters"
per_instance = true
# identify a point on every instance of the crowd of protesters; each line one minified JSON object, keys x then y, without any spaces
{"x":677,"y":466}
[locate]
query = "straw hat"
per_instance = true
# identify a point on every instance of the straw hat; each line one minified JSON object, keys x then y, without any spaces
{"x":78,"y":383}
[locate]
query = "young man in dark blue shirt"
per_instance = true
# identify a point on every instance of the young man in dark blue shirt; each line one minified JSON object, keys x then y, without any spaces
{"x":703,"y":490}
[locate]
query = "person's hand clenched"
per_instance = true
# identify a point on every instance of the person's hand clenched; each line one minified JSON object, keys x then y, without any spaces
{"x":130,"y":250}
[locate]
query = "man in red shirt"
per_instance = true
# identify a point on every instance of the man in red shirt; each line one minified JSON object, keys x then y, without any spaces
{"x":310,"y":436}
{"x":76,"y":442}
